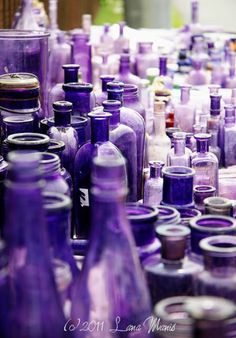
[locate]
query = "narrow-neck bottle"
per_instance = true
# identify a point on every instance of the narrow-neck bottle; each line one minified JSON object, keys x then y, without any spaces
{"x":124,"y":138}
{"x":205,"y":163}
{"x":82,"y":54}
{"x":102,"y":95}
{"x":121,"y":43}
{"x":153,"y":187}
{"x":124,"y":289}
{"x":229,"y":135}
{"x":185,"y":110}
{"x":125,"y":74}
{"x":106,"y":40}
{"x":131,"y":99}
{"x":26,"y":19}
{"x":179,"y":155}
{"x":35,"y":304}
{"x":163,"y":74}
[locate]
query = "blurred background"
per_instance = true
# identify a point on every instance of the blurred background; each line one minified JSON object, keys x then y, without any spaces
{"x":137,"y":13}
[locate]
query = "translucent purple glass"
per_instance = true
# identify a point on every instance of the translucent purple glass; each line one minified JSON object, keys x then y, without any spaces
{"x":125,"y":74}
{"x":187,"y":214}
{"x":179,"y":155}
{"x":209,"y":225}
{"x":17,"y":124}
{"x":112,"y":259}
{"x":102,"y":95}
{"x":58,"y":218}
{"x":133,"y":120}
{"x":197,"y":76}
{"x":200,"y":192}
{"x":163,"y":73}
{"x":28,"y":141}
{"x":218,"y":278}
{"x":82,"y":54}
{"x":106,"y":40}
{"x":229,"y":136}
{"x":153,"y":187}
{"x":143,"y":220}
{"x":185,"y":110}
{"x":230,"y":81}
{"x":3,"y":175}
{"x":210,"y":316}
{"x":174,"y":275}
{"x":121,"y":42}
{"x":124,"y":138}
{"x":82,"y":174}
{"x":35,"y":303}
{"x":63,"y":131}
{"x":57,"y":93}
{"x":4,"y":291}
{"x":145,"y":58}
{"x":218,"y":206}
{"x":167,"y":215}
{"x":205,"y":163}
{"x":131,"y":99}
{"x":178,"y":186}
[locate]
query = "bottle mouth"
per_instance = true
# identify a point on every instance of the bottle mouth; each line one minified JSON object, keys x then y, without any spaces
{"x":218,"y":202}
{"x":172,"y":231}
{"x":130,"y":89}
{"x":140,"y":213}
{"x":28,"y":139}
{"x":50,"y":163}
{"x":204,"y":189}
{"x":78,"y":87}
{"x":165,"y":213}
{"x":213,"y":224}
{"x":54,"y":201}
{"x":187,"y":213}
{"x":12,"y":120}
{"x":56,"y":146}
{"x":219,"y":246}
{"x":178,"y":172}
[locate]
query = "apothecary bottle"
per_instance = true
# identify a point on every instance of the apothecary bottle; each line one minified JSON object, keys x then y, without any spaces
{"x":179,"y":155}
{"x":200,"y":192}
{"x":121,"y":42}
{"x":102,"y":94}
{"x":111,"y":259}
{"x":145,"y":58}
{"x":185,"y":110}
{"x":163,"y":76}
{"x":27,"y":141}
{"x":35,"y":304}
{"x":153,"y":187}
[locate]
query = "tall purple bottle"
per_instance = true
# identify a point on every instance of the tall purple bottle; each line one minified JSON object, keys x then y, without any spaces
{"x":82,"y":54}
{"x":124,"y":138}
{"x":112,"y":288}
{"x":35,"y":304}
{"x":102,"y":95}
{"x":133,"y":120}
{"x":62,"y":131}
{"x":125,"y":74}
{"x":82,"y":174}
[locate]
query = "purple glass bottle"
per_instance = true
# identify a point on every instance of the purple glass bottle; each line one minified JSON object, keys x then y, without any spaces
{"x":163,"y":74}
{"x":174,"y":275}
{"x":82,"y":54}
{"x":219,"y":275}
{"x":200,"y":192}
{"x":4,"y":292}
{"x":124,"y":138}
{"x":3,"y":175}
{"x":121,"y":43}
{"x":82,"y":175}
{"x":63,"y":131}
{"x":229,"y":136}
{"x":57,"y":209}
{"x":133,"y":120}
{"x":230,"y":81}
{"x":35,"y":303}
{"x":179,"y":155}
{"x":102,"y":95}
{"x":111,"y":260}
{"x":145,"y":58}
{"x":57,"y":93}
{"x":17,"y":124}
{"x":125,"y":74}
{"x":209,"y":225}
{"x":131,"y":99}
{"x":143,"y":220}
{"x":153,"y":187}
{"x":197,"y":76}
{"x":185,"y":111}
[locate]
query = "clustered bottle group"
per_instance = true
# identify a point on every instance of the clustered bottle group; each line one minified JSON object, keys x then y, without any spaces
{"x":117,"y":187}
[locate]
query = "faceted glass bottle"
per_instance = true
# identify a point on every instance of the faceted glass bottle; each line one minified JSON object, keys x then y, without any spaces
{"x":112,"y":284}
{"x":124,"y":138}
{"x":153,"y":187}
{"x":62,"y":131}
{"x":229,"y":136}
{"x":35,"y":304}
{"x":125,"y":74}
{"x":131,"y":99}
{"x":205,"y":163}
{"x":185,"y":111}
{"x":132,"y":119}
{"x":159,"y":143}
{"x":179,"y":155}
{"x":174,"y":275}
{"x":83,"y":166}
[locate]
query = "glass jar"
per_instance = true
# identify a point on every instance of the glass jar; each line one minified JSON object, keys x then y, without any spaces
{"x":200,"y":192}
{"x":17,"y":124}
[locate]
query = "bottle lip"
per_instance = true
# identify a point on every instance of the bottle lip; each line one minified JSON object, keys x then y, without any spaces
{"x":202,"y":136}
{"x":188,"y":213}
{"x":165,"y":212}
{"x":19,"y":80}
{"x":130,"y":89}
{"x":156,"y":164}
{"x":62,"y":106}
{"x":219,"y":246}
{"x":83,"y":87}
{"x":30,"y":138}
{"x":50,"y":162}
{"x":18,"y":119}
{"x":56,"y":145}
{"x":78,"y":121}
{"x":97,"y":114}
{"x":172,"y":231}
{"x":139,"y":212}
{"x":218,"y":202}
{"x":219,"y":223}
{"x":179,"y":135}
{"x":115,"y":86}
{"x":111,"y":105}
{"x":56,"y":201}
{"x":71,"y":66}
{"x":198,"y":189}
{"x":107,"y":77}
{"x":22,"y":34}
{"x":178,"y":171}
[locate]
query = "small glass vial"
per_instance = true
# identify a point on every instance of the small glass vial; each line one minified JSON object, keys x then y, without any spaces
{"x":218,"y":206}
{"x":154,"y":185}
{"x":179,"y":155}
{"x":200,"y":192}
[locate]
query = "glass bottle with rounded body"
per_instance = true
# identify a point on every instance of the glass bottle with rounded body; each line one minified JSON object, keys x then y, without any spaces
{"x":125,"y":74}
{"x":111,"y":260}
{"x":159,"y":143}
{"x":185,"y":111}
{"x":174,"y":275}
{"x":62,"y":131}
{"x":229,"y":136}
{"x":57,"y":93}
{"x":102,"y":95}
{"x":200,"y":192}
{"x":143,"y":220}
{"x":82,"y":174}
{"x":132,"y":119}
{"x":131,"y":99}
{"x":35,"y":302}
{"x":124,"y":138}
{"x":179,"y":155}
{"x":204,"y":163}
{"x":153,"y":187}
{"x":219,"y":275}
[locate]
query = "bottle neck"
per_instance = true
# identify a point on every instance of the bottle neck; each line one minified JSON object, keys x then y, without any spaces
{"x":163,"y":66}
{"x":214,"y":138}
{"x":117,"y":96}
{"x":202,"y":146}
{"x":159,"y":124}
{"x":62,"y":119}
{"x":81,"y":102}
{"x":99,"y":130}
{"x":51,"y":167}
{"x":104,"y":84}
{"x":131,"y":96}
{"x":124,"y":67}
{"x":195,"y":12}
{"x":179,"y":146}
{"x":115,"y":118}
{"x":155,"y":172}
{"x":70,"y":75}
{"x":53,"y":6}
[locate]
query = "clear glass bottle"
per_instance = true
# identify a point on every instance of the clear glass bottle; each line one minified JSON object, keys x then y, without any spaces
{"x":124,"y":138}
{"x":153,"y":187}
{"x":35,"y":303}
{"x":229,"y":136}
{"x":174,"y":275}
{"x":121,"y":43}
{"x":219,"y":275}
{"x":205,"y":163}
{"x":179,"y":155}
{"x":26,"y":19}
{"x":106,"y":40}
{"x":159,"y":143}
{"x":200,"y":192}
{"x":112,"y":261}
{"x":63,"y":131}
{"x":185,"y":111}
